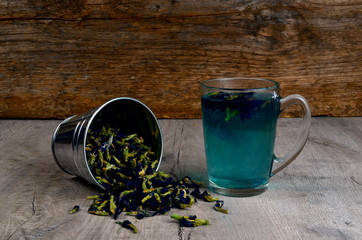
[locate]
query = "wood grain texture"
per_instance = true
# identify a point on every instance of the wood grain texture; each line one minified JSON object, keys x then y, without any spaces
{"x":60,"y":58}
{"x":317,"y":197}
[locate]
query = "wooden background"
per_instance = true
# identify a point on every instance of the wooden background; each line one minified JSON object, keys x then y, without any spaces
{"x":60,"y":58}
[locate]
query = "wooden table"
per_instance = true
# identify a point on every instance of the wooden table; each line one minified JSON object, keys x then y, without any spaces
{"x":319,"y":196}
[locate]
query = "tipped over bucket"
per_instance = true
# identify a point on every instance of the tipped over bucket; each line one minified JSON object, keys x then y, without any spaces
{"x":130,"y":115}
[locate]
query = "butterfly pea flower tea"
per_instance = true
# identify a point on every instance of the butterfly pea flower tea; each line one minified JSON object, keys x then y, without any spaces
{"x":239,"y":122}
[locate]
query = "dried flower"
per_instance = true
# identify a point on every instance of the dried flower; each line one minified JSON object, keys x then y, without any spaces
{"x":189,"y":221}
{"x":74,"y":209}
{"x":125,"y":166}
{"x":128,"y":224}
{"x":188,"y":182}
{"x":206,"y":196}
{"x":219,"y":207}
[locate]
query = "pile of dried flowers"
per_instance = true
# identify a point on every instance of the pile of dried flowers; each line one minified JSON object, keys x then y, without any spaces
{"x":126,"y":169}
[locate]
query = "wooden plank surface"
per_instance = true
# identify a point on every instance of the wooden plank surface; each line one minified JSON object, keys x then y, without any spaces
{"x":319,"y":196}
{"x":60,"y":58}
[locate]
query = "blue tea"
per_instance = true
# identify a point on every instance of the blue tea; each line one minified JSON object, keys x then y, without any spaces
{"x":239,"y":133}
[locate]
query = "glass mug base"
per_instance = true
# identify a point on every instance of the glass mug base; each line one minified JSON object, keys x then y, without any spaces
{"x":238,"y":192}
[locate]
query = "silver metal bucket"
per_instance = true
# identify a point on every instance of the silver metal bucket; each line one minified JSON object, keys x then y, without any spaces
{"x":131,"y":115}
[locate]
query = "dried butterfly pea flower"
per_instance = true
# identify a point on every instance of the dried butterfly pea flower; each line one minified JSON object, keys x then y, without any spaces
{"x":112,"y":205}
{"x":125,"y":167}
{"x":188,"y":182}
{"x":183,"y":199}
{"x":189,"y":221}
{"x":219,"y":207}
{"x":206,"y":196}
{"x":74,"y":209}
{"x":128,"y":224}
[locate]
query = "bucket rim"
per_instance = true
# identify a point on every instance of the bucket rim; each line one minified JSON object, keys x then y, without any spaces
{"x":94,"y":114}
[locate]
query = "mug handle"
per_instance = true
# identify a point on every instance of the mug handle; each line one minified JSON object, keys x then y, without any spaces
{"x":304,"y":131}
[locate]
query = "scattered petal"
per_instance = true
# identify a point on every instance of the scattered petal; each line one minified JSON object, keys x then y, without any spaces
{"x":74,"y":209}
{"x":219,"y":207}
{"x":128,"y":224}
{"x":189,"y":221}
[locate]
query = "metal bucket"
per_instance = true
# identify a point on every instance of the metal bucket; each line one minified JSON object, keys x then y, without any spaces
{"x":131,"y":115}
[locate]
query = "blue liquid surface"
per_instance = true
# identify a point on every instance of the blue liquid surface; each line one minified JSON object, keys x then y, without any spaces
{"x":239,"y":134}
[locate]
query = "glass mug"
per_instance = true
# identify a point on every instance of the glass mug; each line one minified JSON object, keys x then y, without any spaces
{"x":239,"y":118}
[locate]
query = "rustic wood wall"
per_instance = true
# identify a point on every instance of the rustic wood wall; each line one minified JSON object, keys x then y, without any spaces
{"x":60,"y":58}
